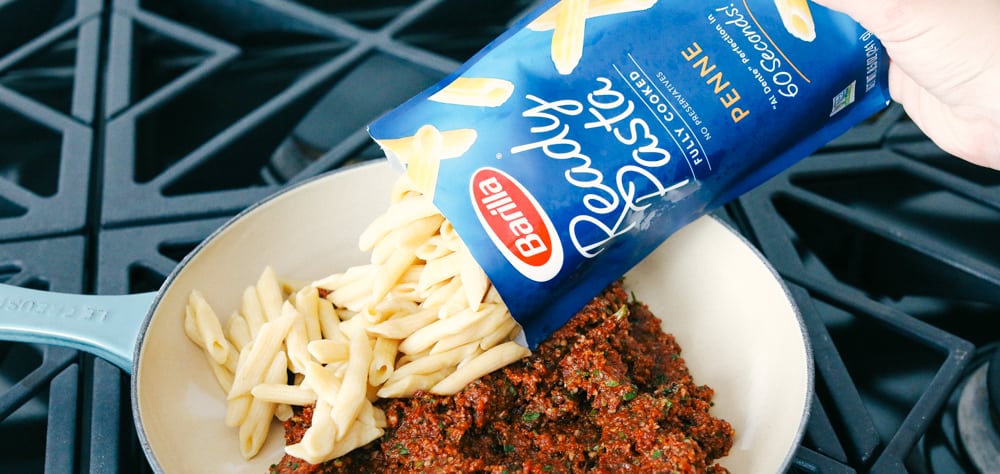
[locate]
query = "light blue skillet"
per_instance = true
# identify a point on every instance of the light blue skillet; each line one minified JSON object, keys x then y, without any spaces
{"x":740,"y":331}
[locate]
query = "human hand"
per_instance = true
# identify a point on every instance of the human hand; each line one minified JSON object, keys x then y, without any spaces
{"x":944,"y":68}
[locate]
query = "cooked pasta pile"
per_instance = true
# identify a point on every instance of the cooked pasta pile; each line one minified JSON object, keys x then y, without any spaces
{"x":421,"y":315}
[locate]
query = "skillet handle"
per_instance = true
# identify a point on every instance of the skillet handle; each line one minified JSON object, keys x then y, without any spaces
{"x":106,"y":326}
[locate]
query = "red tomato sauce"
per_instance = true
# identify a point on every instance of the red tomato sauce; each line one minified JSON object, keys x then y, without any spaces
{"x":608,"y":392}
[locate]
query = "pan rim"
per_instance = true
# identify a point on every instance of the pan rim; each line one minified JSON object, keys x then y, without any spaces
{"x":807,"y":344}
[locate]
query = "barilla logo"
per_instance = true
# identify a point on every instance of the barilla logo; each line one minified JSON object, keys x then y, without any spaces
{"x":516,"y":224}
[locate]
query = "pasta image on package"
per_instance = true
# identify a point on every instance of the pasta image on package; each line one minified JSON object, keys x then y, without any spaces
{"x":618,"y":122}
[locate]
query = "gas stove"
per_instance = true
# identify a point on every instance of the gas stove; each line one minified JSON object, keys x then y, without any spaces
{"x":887,"y":244}
{"x":133,"y":128}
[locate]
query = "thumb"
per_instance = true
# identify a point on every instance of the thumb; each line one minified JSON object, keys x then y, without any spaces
{"x":893,"y":20}
{"x":866,"y":12}
{"x":939,"y":44}
{"x":944,"y":68}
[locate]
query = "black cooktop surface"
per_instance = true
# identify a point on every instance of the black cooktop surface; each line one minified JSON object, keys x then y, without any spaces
{"x":130,"y":129}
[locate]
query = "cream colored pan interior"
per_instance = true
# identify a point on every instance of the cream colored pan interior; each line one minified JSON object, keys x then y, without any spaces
{"x":739,"y":331}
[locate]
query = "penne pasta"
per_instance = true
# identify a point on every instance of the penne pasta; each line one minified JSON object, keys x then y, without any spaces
{"x":405,"y":211}
{"x":426,"y":336}
{"x":409,"y":235}
{"x":436,"y":296}
{"x":223,"y":373}
{"x":191,"y":327}
{"x":440,"y":269}
{"x":401,"y":327}
{"x":253,"y":430}
{"x":269,"y":294}
{"x":284,"y":394}
{"x":316,"y":443}
{"x":405,"y":291}
{"x":433,"y":249}
{"x":431,"y":363}
{"x":323,"y":381}
{"x":239,"y":331}
{"x":327,"y":351}
{"x":456,"y":302}
{"x":492,"y":296}
{"x":507,"y":331}
{"x":402,"y":189}
{"x":252,"y":311}
{"x":355,"y":295}
{"x":480,"y":365}
{"x":307,"y":304}
{"x":422,"y":315}
{"x":383,"y":360}
{"x":355,"y":385}
{"x":297,"y":339}
{"x":209,"y":329}
{"x":359,"y":435}
{"x":261,"y":353}
{"x":450,"y":237}
{"x":496,"y":317}
{"x":283,"y":412}
{"x":329,"y":321}
{"x":237,"y":407}
{"x":390,"y":272}
{"x":392,"y":307}
{"x":406,"y":386}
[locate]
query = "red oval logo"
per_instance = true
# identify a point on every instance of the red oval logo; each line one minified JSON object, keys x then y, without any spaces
{"x":517,"y":225}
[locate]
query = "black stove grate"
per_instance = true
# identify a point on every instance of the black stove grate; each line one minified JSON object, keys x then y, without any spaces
{"x":48,"y":83}
{"x":133,"y":128}
{"x":890,"y":246}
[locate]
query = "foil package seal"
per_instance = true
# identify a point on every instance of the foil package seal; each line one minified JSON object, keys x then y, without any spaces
{"x":583,"y":137}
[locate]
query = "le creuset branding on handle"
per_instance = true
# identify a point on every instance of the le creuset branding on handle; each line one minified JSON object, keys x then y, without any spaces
{"x":107,"y":326}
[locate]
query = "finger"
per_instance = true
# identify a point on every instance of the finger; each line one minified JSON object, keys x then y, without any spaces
{"x":903,"y":20}
{"x":878,"y":16}
{"x":870,"y":13}
{"x":961,"y":132}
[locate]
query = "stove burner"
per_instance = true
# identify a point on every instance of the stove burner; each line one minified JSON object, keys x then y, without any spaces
{"x":976,"y":426}
{"x":965,"y":434}
{"x":993,"y":387}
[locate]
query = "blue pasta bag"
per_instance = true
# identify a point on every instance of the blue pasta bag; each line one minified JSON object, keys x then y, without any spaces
{"x":574,"y":144}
